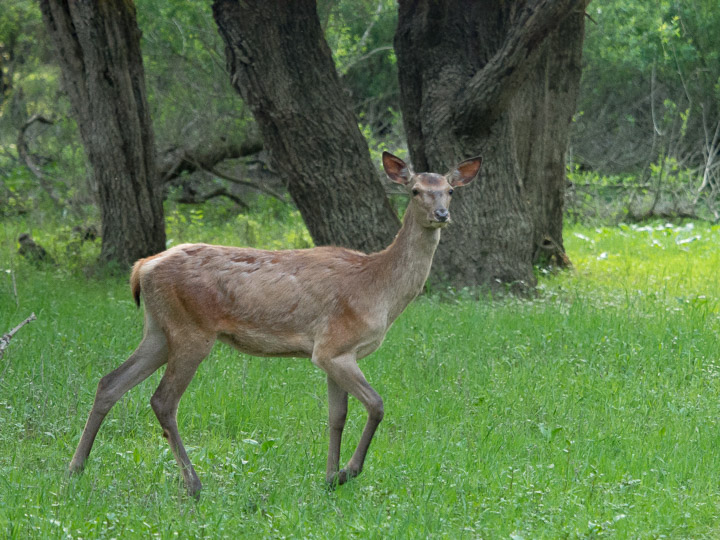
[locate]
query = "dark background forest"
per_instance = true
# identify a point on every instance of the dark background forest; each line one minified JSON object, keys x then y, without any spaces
{"x":643,"y":139}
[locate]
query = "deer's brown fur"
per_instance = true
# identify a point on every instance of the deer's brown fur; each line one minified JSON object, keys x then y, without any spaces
{"x":330,"y":304}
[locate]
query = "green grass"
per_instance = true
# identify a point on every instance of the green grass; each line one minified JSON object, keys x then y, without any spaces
{"x":589,"y":411}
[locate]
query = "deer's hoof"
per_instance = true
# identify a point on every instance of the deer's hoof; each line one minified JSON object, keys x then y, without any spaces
{"x":75,"y":469}
{"x":340,"y":477}
{"x":194,"y":489}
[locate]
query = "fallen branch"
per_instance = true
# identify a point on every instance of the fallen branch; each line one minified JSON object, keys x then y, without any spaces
{"x":5,"y":340}
{"x":195,"y":198}
{"x":176,"y":161}
{"x":247,"y":183}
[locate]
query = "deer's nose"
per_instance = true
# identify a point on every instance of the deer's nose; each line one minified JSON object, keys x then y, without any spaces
{"x":442,"y":214}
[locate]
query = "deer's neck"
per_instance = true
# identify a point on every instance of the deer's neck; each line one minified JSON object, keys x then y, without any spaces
{"x":405,"y":264}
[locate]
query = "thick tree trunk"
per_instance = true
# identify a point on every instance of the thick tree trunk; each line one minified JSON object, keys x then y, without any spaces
{"x":499,"y":79}
{"x":98,"y":49}
{"x":281,"y":65}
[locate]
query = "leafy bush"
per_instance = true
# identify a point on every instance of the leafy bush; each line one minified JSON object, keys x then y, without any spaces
{"x":666,"y":190}
{"x":650,"y":85}
{"x":269,"y":223}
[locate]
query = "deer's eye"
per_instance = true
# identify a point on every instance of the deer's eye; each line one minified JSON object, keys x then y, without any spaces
{"x":415,"y":191}
{"x":450,"y":192}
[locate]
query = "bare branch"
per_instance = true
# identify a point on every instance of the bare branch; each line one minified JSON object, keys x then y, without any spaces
{"x":652,"y":103}
{"x":14,"y":284}
{"x":25,"y":157}
{"x":711,"y":150}
{"x":5,"y":339}
{"x":366,"y":34}
{"x":364,"y":57}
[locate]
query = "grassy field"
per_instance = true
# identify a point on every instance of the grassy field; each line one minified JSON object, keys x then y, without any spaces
{"x":589,"y":411}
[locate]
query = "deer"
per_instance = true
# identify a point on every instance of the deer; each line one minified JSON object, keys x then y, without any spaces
{"x":330,"y":304}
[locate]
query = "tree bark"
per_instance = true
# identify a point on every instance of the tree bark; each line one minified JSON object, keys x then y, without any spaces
{"x":281,"y":65}
{"x":98,"y":49}
{"x":499,"y":79}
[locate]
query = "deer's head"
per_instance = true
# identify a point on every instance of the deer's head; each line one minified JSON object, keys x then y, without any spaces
{"x":430,"y":193}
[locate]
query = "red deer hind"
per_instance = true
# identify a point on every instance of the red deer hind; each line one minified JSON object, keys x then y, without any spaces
{"x":330,"y":304}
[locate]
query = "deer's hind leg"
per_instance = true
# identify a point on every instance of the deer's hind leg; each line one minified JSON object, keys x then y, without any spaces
{"x":337,"y":414}
{"x":147,"y":358}
{"x":187,"y":351}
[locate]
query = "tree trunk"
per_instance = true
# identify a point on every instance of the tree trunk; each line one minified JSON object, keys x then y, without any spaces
{"x":281,"y":65}
{"x":499,"y":79}
{"x":98,"y":49}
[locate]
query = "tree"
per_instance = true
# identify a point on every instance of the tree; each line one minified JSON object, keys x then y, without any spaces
{"x":476,"y":77}
{"x":648,"y":126}
{"x":98,"y":49}
{"x":281,"y":65}
{"x":498,"y":79}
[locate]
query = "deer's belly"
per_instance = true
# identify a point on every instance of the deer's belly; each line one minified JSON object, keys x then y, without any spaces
{"x":281,"y":344}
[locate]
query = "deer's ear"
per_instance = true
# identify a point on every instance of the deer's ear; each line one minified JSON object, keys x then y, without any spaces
{"x":396,"y":169}
{"x":464,"y":173}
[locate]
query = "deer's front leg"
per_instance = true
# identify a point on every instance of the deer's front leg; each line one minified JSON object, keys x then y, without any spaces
{"x":346,"y":374}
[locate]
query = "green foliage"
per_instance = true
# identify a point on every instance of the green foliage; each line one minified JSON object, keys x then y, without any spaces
{"x":189,"y":94}
{"x":189,"y":90}
{"x":387,"y":144}
{"x":589,"y":411}
{"x":69,"y":252}
{"x":360,"y":34}
{"x":650,"y":83}
{"x":17,"y":184}
{"x":31,"y":86}
{"x":21,"y":52}
{"x":675,"y":38}
{"x":667,"y":188}
{"x":270,"y":223}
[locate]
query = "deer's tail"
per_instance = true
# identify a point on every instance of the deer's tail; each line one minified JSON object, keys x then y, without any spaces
{"x":135,"y":281}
